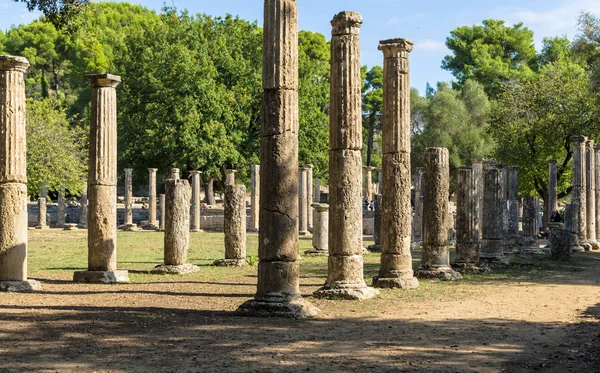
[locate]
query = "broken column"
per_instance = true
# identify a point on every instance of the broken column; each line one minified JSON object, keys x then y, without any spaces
{"x":83,"y":208}
{"x":396,"y":260}
{"x":530,"y":224}
{"x":368,"y":183}
{"x":161,"y":202}
{"x":552,"y":202}
{"x":513,"y":239}
{"x":128,"y":224}
{"x":467,"y":249}
{"x":345,"y":278}
{"x":254,"y":197}
{"x":177,"y":229}
{"x":42,"y":211}
{"x":234,"y":227}
{"x":102,"y":184}
{"x":152,"y":221}
{"x":376,"y":247}
{"x":278,"y":291}
{"x":309,"y":195}
{"x":417,"y":221}
{"x":175,"y":173}
{"x":317,"y":195}
{"x":492,"y":239}
{"x":195,"y":209}
{"x":435,"y":260}
{"x":477,"y":197}
{"x":302,"y":202}
{"x":320,"y":238}
{"x":578,"y":194}
{"x":230,"y":177}
{"x":590,"y":190}
{"x":13,"y":177}
{"x":60,"y":211}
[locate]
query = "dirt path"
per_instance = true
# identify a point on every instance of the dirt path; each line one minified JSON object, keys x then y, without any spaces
{"x":545,"y":320}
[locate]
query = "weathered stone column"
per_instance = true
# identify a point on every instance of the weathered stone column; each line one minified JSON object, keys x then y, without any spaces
{"x":552,"y":203}
{"x":571,"y":226}
{"x":302,"y":202}
{"x":234,"y":227}
{"x":102,"y":184}
{"x":376,"y":247}
{"x":320,"y":238}
{"x":254,"y":197}
{"x":467,"y":249}
{"x":128,"y":223}
{"x":530,"y":224}
{"x":60,"y":211}
{"x":83,"y":208}
{"x":597,"y":190}
{"x":230,"y":177}
{"x":177,"y":229}
{"x":417,"y":221}
{"x":278,"y":291}
{"x":317,"y":195}
{"x":345,"y":278}
{"x":195,"y":209}
{"x":152,"y":221}
{"x":435,"y":262}
{"x":379,"y":178}
{"x":175,"y":173}
{"x":477,"y":198}
{"x":492,"y":240}
{"x":590,"y":190}
{"x":309,"y":195}
{"x":13,"y":177}
{"x":396,"y":260}
{"x":42,"y":211}
{"x":161,"y":202}
{"x":368,"y":183}
{"x":513,"y":201}
{"x":578,"y":194}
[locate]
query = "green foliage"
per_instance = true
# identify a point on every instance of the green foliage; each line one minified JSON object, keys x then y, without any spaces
{"x":56,"y":154}
{"x":491,"y":54}
{"x":372,"y":107}
{"x":534,"y":118}
{"x":586,"y":45}
{"x":58,"y":12}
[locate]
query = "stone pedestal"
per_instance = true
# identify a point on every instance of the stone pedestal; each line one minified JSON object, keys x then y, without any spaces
{"x":560,"y":242}
{"x":376,"y":247}
{"x":41,"y":221}
{"x":492,"y":240}
{"x":278,"y":291}
{"x":152,"y":221}
{"x":196,"y":206}
{"x":161,"y":202}
{"x":368,"y":183}
{"x":345,"y":277}
{"x":302,"y":202}
{"x":83,"y":209}
{"x":578,"y":194}
{"x":435,"y":261}
{"x":396,"y":259}
{"x":177,"y":228}
{"x":230,"y":177}
{"x":175,"y":174}
{"x":102,"y":184}
{"x":320,"y":238}
{"x":234,"y":227}
{"x":309,"y":196}
{"x":590,"y":190}
{"x":254,"y":198}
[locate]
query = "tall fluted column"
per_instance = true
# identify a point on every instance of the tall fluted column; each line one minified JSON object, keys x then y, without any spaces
{"x":477,"y":197}
{"x":309,"y":195}
{"x":530,"y":224}
{"x":467,"y":249}
{"x":254,"y":197}
{"x":128,"y":198}
{"x":417,"y":223}
{"x":435,"y":262}
{"x":345,"y":278}
{"x":152,"y":221}
{"x":278,"y":291}
{"x":492,"y":239}
{"x":302,"y":201}
{"x":578,"y":195}
{"x":396,"y":260}
{"x":102,"y":184}
{"x":513,"y":201}
{"x":590,"y":190}
{"x":230,"y":177}
{"x":552,"y":202}
{"x":83,"y":208}
{"x":195,"y":208}
{"x":13,"y":177}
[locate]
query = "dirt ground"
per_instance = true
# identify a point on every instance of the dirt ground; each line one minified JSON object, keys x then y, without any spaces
{"x":544,"y":319}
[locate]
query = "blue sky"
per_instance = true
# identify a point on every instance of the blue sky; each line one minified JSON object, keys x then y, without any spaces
{"x":427,"y":22}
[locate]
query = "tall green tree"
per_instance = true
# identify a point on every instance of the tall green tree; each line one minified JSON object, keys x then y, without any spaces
{"x":58,"y":12}
{"x":372,"y":107}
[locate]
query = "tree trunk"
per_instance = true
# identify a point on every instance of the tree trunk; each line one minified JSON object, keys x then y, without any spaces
{"x":210,"y":192}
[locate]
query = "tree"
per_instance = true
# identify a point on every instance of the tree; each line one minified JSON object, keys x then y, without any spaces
{"x":491,"y":54}
{"x":534,"y":118}
{"x":58,"y":12}
{"x":372,"y":107}
{"x":586,"y":45}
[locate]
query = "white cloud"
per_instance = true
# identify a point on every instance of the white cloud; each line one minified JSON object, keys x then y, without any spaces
{"x":430,"y":45}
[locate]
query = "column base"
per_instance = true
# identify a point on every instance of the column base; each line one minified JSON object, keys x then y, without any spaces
{"x":494,"y":258}
{"x":252,"y":230}
{"x":445,"y":273}
{"x":303,"y":233}
{"x":595,"y":245}
{"x":196,"y":230}
{"x":42,"y":227}
{"x":395,"y":282}
{"x":316,"y":253}
{"x":101,"y":277}
{"x":297,"y":308}
{"x":471,"y":268}
{"x":174,"y":269}
{"x":230,"y":263}
{"x":347,"y":292}
{"x":70,"y":227}
{"x":82,"y":226}
{"x":512,"y":244}
{"x":26,"y":286}
{"x":416,"y":244}
{"x":374,"y":248}
{"x":131,"y":228}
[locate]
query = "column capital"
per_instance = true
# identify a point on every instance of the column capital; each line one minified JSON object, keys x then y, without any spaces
{"x":578,"y":139}
{"x":194,"y":173}
{"x":590,"y":144}
{"x":552,"y":161}
{"x":103,"y":80}
{"x":128,"y":169}
{"x":308,"y":165}
{"x":302,"y":168}
{"x":230,"y":171}
{"x":255,"y":167}
{"x":152,"y":170}
{"x":515,"y":168}
{"x":369,"y":168}
{"x":13,"y":63}
{"x":320,"y":206}
{"x":346,"y":22}
{"x":477,"y":161}
{"x":396,"y":48}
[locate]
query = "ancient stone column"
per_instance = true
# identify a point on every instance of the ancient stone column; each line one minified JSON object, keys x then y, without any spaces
{"x":552,"y":203}
{"x":467,"y":249}
{"x":317,"y":195}
{"x":278,"y":291}
{"x":254,"y":197}
{"x":161,"y":202}
{"x":152,"y":221}
{"x":234,"y":227}
{"x":571,"y":226}
{"x":597,"y":190}
{"x":477,"y":197}
{"x":417,"y":223}
{"x":175,"y":173}
{"x":435,"y":261}
{"x":578,"y":194}
{"x":513,"y":201}
{"x":83,"y":208}
{"x":345,"y":277}
{"x":195,"y":209}
{"x":302,"y":202}
{"x":379,"y":178}
{"x":13,"y":177}
{"x":590,"y":190}
{"x":368,"y":183}
{"x":60,"y":211}
{"x":177,"y":228}
{"x":320,"y":238}
{"x":102,"y":184}
{"x":396,"y":259}
{"x":530,"y":224}
{"x":310,"y":195}
{"x":492,"y":239}
{"x":230,"y":177}
{"x":128,"y":224}
{"x":376,"y":247}
{"x":42,"y":211}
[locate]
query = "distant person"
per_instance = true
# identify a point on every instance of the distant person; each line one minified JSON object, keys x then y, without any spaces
{"x":555,"y":217}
